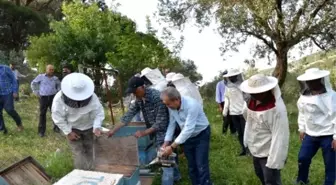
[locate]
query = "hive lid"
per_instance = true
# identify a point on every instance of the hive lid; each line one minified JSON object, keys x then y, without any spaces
{"x":25,"y":172}
{"x":90,"y":177}
{"x":116,"y":151}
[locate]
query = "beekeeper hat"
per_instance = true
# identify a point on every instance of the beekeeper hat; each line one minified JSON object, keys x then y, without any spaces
{"x":177,"y":76}
{"x":258,"y":83}
{"x":313,"y":74}
{"x":170,"y":76}
{"x":232,"y":72}
{"x":77,"y":86}
{"x":146,"y":71}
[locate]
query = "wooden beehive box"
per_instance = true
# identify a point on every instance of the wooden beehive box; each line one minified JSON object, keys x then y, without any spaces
{"x":25,"y":172}
{"x":118,"y":155}
{"x":81,"y":177}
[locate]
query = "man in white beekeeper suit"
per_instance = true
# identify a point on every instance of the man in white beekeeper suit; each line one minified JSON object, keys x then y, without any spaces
{"x":186,"y":87}
{"x":317,"y":123}
{"x":77,"y":111}
{"x":154,"y":78}
{"x":234,"y":100}
{"x":266,"y":131}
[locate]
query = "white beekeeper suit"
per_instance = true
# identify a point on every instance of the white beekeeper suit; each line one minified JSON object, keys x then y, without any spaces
{"x":155,"y":77}
{"x":266,"y":132}
{"x":317,"y":113}
{"x":186,"y":87}
{"x":233,"y":96}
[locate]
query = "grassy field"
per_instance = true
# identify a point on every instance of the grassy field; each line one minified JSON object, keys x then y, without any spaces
{"x":226,"y":167}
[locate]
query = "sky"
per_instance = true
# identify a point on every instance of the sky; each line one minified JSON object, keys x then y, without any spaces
{"x":202,"y":48}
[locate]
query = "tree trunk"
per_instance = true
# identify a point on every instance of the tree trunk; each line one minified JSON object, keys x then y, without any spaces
{"x":281,"y":67}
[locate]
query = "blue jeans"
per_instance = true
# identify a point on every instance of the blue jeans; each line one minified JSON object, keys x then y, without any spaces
{"x":196,"y":150}
{"x":309,"y":148}
{"x":7,"y":103}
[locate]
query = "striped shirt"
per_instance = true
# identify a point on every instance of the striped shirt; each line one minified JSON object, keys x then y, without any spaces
{"x":155,"y":113}
{"x":43,"y":85}
{"x":8,"y":83}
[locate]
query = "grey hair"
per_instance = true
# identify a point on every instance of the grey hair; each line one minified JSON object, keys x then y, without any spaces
{"x":172,"y":93}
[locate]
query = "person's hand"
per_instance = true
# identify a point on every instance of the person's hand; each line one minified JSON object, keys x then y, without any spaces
{"x":97,"y":132}
{"x":165,"y":144}
{"x":110,"y":133}
{"x":302,"y":135}
{"x":333,"y":145}
{"x":140,"y":133}
{"x":73,"y":136}
{"x":15,"y":95}
{"x":167,"y":151}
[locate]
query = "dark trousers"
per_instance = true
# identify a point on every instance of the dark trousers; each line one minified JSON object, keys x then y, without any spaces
{"x":239,"y":122}
{"x":266,"y":175}
{"x":310,"y":146}
{"x":227,"y":123}
{"x":18,"y":84}
{"x":7,"y":103}
{"x":82,"y":149}
{"x":45,"y":104}
{"x":196,"y":151}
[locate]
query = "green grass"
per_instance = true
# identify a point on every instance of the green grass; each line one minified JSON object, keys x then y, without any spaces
{"x":226,"y":167}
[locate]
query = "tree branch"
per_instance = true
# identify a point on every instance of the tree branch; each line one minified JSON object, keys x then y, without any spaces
{"x":260,"y":37}
{"x":280,"y":26}
{"x":317,"y":44}
{"x":28,"y":2}
{"x":45,"y":5}
{"x":297,"y":17}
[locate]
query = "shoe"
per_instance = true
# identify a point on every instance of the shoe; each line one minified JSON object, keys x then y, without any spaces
{"x":243,"y":153}
{"x":41,"y":134}
{"x":56,"y":130}
{"x":20,"y":128}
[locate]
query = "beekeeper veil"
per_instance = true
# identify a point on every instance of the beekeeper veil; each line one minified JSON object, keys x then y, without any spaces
{"x":234,"y":77}
{"x":314,"y":81}
{"x":152,"y":76}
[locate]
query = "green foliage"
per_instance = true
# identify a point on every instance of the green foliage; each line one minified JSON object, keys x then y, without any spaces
{"x":17,"y":23}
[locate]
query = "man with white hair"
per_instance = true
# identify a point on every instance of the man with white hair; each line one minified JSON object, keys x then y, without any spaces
{"x":234,"y":104}
{"x":77,"y":111}
{"x":195,"y":135}
{"x":317,"y":123}
{"x":267,"y":130}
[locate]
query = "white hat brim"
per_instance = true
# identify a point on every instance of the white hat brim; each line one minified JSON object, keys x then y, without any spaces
{"x":232,"y":74}
{"x":71,"y":93}
{"x":255,"y":90}
{"x":317,"y":75}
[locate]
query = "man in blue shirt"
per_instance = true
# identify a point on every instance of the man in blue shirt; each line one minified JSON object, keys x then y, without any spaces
{"x":156,"y":116}
{"x":8,"y":91}
{"x":220,"y":91}
{"x":45,"y":86}
{"x":195,"y":134}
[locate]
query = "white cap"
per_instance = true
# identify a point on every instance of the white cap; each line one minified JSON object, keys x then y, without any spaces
{"x":259,"y":83}
{"x":313,"y":74}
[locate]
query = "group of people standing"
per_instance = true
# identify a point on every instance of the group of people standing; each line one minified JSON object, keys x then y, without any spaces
{"x":255,"y":109}
{"x":173,"y":111}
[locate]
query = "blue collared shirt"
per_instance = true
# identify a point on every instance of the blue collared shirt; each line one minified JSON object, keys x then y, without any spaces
{"x":8,"y":83}
{"x":44,"y":85}
{"x":191,"y":119}
{"x":220,"y":90}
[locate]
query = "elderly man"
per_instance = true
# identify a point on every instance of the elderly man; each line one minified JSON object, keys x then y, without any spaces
{"x":220,"y":92}
{"x":266,"y":131}
{"x":45,"y":86}
{"x":195,"y":134}
{"x":17,"y":75}
{"x":77,"y":111}
{"x":156,"y":116}
{"x":8,"y":91}
{"x":317,"y":123}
